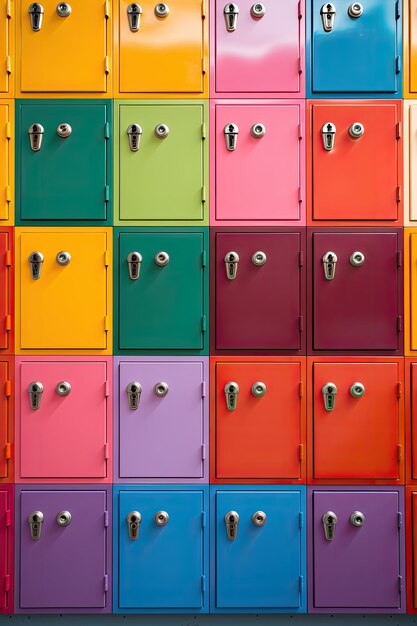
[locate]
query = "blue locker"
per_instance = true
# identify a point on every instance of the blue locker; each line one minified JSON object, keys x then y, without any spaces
{"x":354,"y":49}
{"x":163,"y":569}
{"x":262,"y":569}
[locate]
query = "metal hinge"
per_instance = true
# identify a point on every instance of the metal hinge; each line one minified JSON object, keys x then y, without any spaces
{"x":300,"y":258}
{"x":400,"y":583}
{"x":300,"y":12}
{"x":204,"y":258}
{"x":399,"y":258}
{"x":8,"y":193}
{"x":301,"y":451}
{"x":301,"y":323}
{"x":300,"y":65}
{"x":397,"y":10}
{"x":107,"y":9}
{"x":203,"y":65}
{"x":203,"y":130}
{"x":9,"y":9}
{"x":301,"y":519}
{"x":203,"y":519}
{"x":203,"y":451}
{"x":203,"y":193}
{"x":399,"y":519}
{"x":106,"y":130}
{"x":106,"y":65}
{"x":204,"y":324}
{"x":8,"y":323}
{"x":300,"y":195}
{"x":8,"y":258}
{"x":8,"y":451}
{"x":203,"y":389}
{"x":106,"y":258}
{"x":399,"y":390}
{"x":300,"y":583}
{"x":301,"y":389}
{"x":8,"y":64}
{"x":106,"y":193}
{"x":106,"y":389}
{"x":398,"y":130}
{"x":398,"y":193}
{"x":400,"y":453}
{"x":106,"y":582}
{"x":8,"y":518}
{"x":203,"y":9}
{"x":300,"y":130}
{"x":106,"y":323}
{"x":399,"y":323}
{"x":8,"y":130}
{"x":7,"y":582}
{"x":106,"y":519}
{"x":106,"y":451}
{"x":203,"y":583}
{"x":397,"y":64}
{"x":8,"y":388}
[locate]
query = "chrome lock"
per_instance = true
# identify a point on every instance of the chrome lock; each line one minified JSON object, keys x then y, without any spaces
{"x":329,"y":520}
{"x":63,"y":9}
{"x":231,"y":260}
{"x":63,"y":518}
{"x":257,"y":10}
{"x":231,"y":132}
{"x":161,"y":131}
{"x":355,"y":10}
{"x":161,"y":518}
{"x":36,"y":132}
{"x":35,"y":264}
{"x":357,"y":390}
{"x":63,"y":258}
{"x":258,"y":130}
{"x":134,"y":11}
{"x":259,"y":518}
{"x":63,"y":388}
{"x":35,"y":520}
{"x":329,"y":391}
{"x":356,"y":130}
{"x":231,"y":12}
{"x":357,"y":518}
{"x":329,"y":265}
{"x":357,"y":259}
{"x":231,"y":520}
{"x":328,"y":13}
{"x":328,"y":133}
{"x":160,"y":390}
{"x":161,"y":9}
{"x":36,"y":12}
{"x":134,"y":259}
{"x":134,"y":133}
{"x":35,"y":391}
{"x":258,"y":389}
{"x":64,"y":130}
{"x":259,"y":258}
{"x":161,"y":258}
{"x":133,"y":394}
{"x":232,"y":391}
{"x":133,"y":522}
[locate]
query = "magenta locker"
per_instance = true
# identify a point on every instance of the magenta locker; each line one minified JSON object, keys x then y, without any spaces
{"x":6,"y":548}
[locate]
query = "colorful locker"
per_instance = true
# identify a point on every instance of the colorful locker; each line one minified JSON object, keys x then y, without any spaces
{"x":7,"y":49}
{"x":257,"y":50}
{"x":6,"y":291}
{"x":359,"y":271}
{"x":64,"y":533}
{"x":356,"y":550}
{"x":247,"y":315}
{"x":257,"y":162}
{"x":340,"y":35}
{"x":63,"y":291}
{"x":356,"y":421}
{"x":6,"y":162}
{"x":411,"y":547}
{"x":410,"y":277}
{"x":161,"y":157}
{"x":160,"y":549}
{"x":258,"y":420}
{"x":161,"y":419}
{"x":6,"y":420}
{"x":410,"y":163}
{"x":355,"y":162}
{"x":63,"y":420}
{"x":410,"y":49}
{"x":81,"y":29}
{"x":410,"y":420}
{"x":163,"y":274}
{"x":64,"y":158}
{"x":161,"y":50}
{"x":6,"y":548}
{"x":258,"y":549}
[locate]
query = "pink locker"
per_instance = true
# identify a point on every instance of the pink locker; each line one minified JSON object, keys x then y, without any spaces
{"x":6,"y":548}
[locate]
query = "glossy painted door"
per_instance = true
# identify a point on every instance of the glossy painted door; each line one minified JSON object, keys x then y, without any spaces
{"x":6,"y":290}
{"x":84,"y":32}
{"x":163,"y":179}
{"x":365,"y":561}
{"x":67,"y":180}
{"x":410,"y":281}
{"x":411,"y":419}
{"x":410,"y":163}
{"x":6,"y":548}
{"x":337,"y":66}
{"x":7,"y":37}
{"x":170,"y":297}
{"x":362,"y":437}
{"x":264,"y":55}
{"x":164,"y":570}
{"x":360,"y":178}
{"x":261,"y":181}
{"x":359,"y":309}
{"x":73,"y":558}
{"x":67,"y":308}
{"x":249,"y":314}
{"x":6,"y":424}
{"x":167,"y":53}
{"x":6,"y":161}
{"x":68,"y":437}
{"x":262,"y":569}
{"x":165,"y":437}
{"x":410,"y":48}
{"x":411,"y":548}
{"x":262,"y":438}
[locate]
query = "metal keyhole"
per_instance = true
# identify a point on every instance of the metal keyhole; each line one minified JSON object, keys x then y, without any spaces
{"x":161,"y":518}
{"x":160,"y":389}
{"x":36,"y":12}
{"x":357,"y":259}
{"x":63,"y":388}
{"x":161,"y":258}
{"x":356,"y":130}
{"x":257,"y":10}
{"x":63,"y":9}
{"x":259,"y":258}
{"x":161,"y":9}
{"x":161,"y":131}
{"x":64,"y":130}
{"x":63,"y":518}
{"x":63,"y":258}
{"x":355,"y":10}
{"x":357,"y":390}
{"x":259,"y":518}
{"x":258,"y":130}
{"x":357,"y":518}
{"x":258,"y":389}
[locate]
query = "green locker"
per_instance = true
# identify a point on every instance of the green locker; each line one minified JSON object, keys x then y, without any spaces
{"x":161,"y":290}
{"x":63,"y":158}
{"x":161,"y":156}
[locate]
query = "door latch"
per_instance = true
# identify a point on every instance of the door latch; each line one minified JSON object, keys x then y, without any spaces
{"x":356,"y":130}
{"x":231,"y":520}
{"x":329,"y":265}
{"x":231,"y":132}
{"x":134,"y":391}
{"x":161,"y":131}
{"x":258,"y":389}
{"x":133,"y":523}
{"x":160,"y":389}
{"x":357,"y":390}
{"x":328,"y":13}
{"x":257,"y":10}
{"x":161,"y":518}
{"x":134,"y":260}
{"x":134,"y":133}
{"x":63,"y":388}
{"x":64,"y":130}
{"x":329,"y":391}
{"x":161,"y":9}
{"x":134,"y":11}
{"x":63,"y":258}
{"x":35,"y":264}
{"x":36,"y":12}
{"x":355,"y":10}
{"x":35,"y":520}
{"x":357,"y":518}
{"x":232,"y":391}
{"x":36,"y":132}
{"x":35,"y":391}
{"x":231,"y":260}
{"x":258,"y":130}
{"x":63,"y":9}
{"x":328,"y":133}
{"x":231,"y":12}
{"x":357,"y":259}
{"x":259,"y":258}
{"x":329,"y":520}
{"x":161,"y":258}
{"x":63,"y":518}
{"x":259,"y":518}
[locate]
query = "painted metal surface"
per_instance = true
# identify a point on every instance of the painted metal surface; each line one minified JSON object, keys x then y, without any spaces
{"x":6,"y":548}
{"x":7,"y":49}
{"x":6,"y":290}
{"x":6,"y":420}
{"x":7,"y":162}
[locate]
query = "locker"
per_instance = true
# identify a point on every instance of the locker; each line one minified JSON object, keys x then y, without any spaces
{"x":6,"y":291}
{"x":161,"y":549}
{"x":258,"y":162}
{"x":410,"y":518}
{"x":7,"y":49}
{"x":410,"y":398}
{"x":6,"y":420}
{"x":6,"y":161}
{"x":63,"y":291}
{"x":6,"y":548}
{"x":63,"y":420}
{"x":410,"y":273}
{"x":257,"y":420}
{"x":410,"y":49}
{"x":410,"y":152}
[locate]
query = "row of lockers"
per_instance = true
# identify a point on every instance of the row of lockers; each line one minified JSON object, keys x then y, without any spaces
{"x":155,"y":48}
{"x":281,"y":291}
{"x":257,"y":162}
{"x":348,"y":420}
{"x":195,"y":549}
